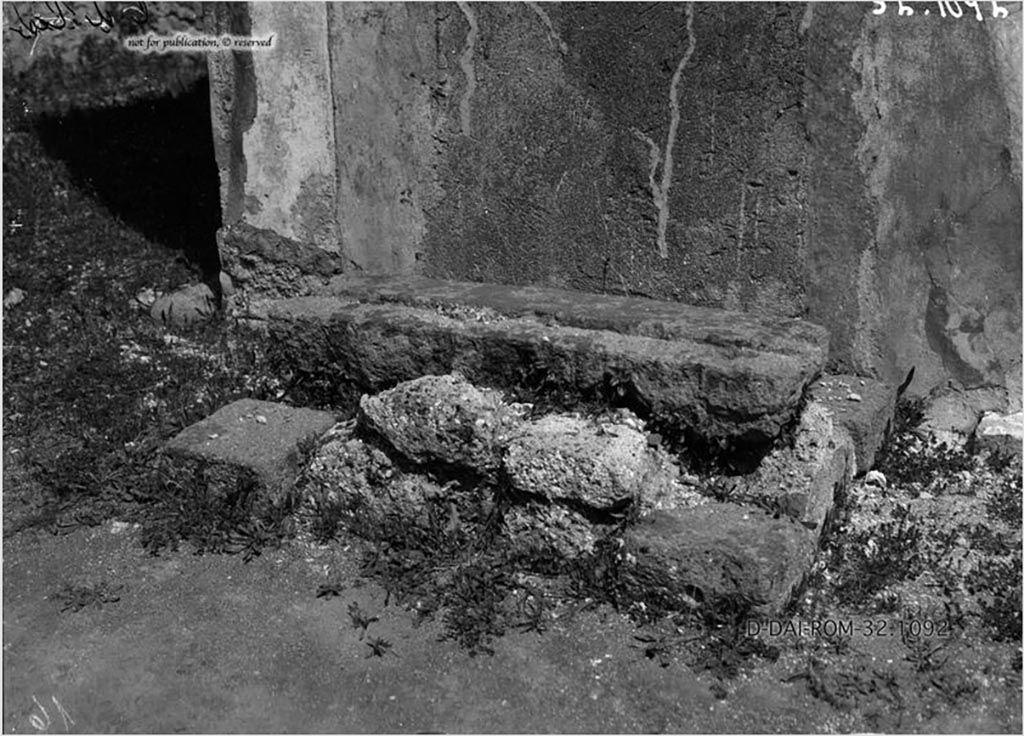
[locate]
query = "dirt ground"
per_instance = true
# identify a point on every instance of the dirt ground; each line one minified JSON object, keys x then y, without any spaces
{"x":211,"y":644}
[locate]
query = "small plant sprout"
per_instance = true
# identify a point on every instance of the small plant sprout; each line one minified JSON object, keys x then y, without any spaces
{"x":76,"y":597}
{"x":359,"y":618}
{"x":330,"y":590}
{"x":378,"y":647}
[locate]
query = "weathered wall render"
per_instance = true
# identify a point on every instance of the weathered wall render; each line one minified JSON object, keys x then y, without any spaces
{"x":858,"y":170}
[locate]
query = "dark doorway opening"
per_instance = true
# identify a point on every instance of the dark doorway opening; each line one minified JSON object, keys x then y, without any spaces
{"x":152,"y":164}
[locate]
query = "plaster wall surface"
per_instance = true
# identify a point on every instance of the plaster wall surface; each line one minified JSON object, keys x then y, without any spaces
{"x":289,"y":150}
{"x":233,"y":107}
{"x":381,"y":70}
{"x":936,"y":152}
{"x":1005,"y":39}
{"x":795,"y":160}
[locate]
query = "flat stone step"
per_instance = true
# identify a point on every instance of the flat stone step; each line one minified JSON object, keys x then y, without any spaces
{"x":719,"y":373}
{"x":251,"y":445}
{"x":626,"y":315}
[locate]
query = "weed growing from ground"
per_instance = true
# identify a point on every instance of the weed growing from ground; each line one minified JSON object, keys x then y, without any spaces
{"x":360,"y":619}
{"x":1005,"y":504}
{"x":909,"y":462}
{"x":312,"y":371}
{"x":545,"y":382}
{"x":330,"y":590}
{"x":378,"y":647}
{"x":449,"y":560}
{"x":326,"y":514}
{"x":997,"y":584}
{"x":76,"y":597}
{"x":436,"y":571}
{"x":192,"y":507}
{"x":877,"y":558}
{"x":721,"y":650}
{"x":945,"y":531}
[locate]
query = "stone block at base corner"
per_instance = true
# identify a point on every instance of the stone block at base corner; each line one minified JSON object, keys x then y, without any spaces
{"x":716,"y":554}
{"x":1000,"y":433}
{"x":863,"y":406}
{"x":249,"y":444}
{"x":803,"y":480}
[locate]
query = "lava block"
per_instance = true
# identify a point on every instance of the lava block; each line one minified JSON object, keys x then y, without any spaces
{"x":716,"y":556}
{"x":863,"y":406}
{"x":803,"y":479}
{"x":250,"y":448}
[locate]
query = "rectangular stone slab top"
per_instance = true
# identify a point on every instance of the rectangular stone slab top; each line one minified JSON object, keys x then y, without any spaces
{"x":722,"y":374}
{"x":625,"y":315}
{"x":258,"y":438}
